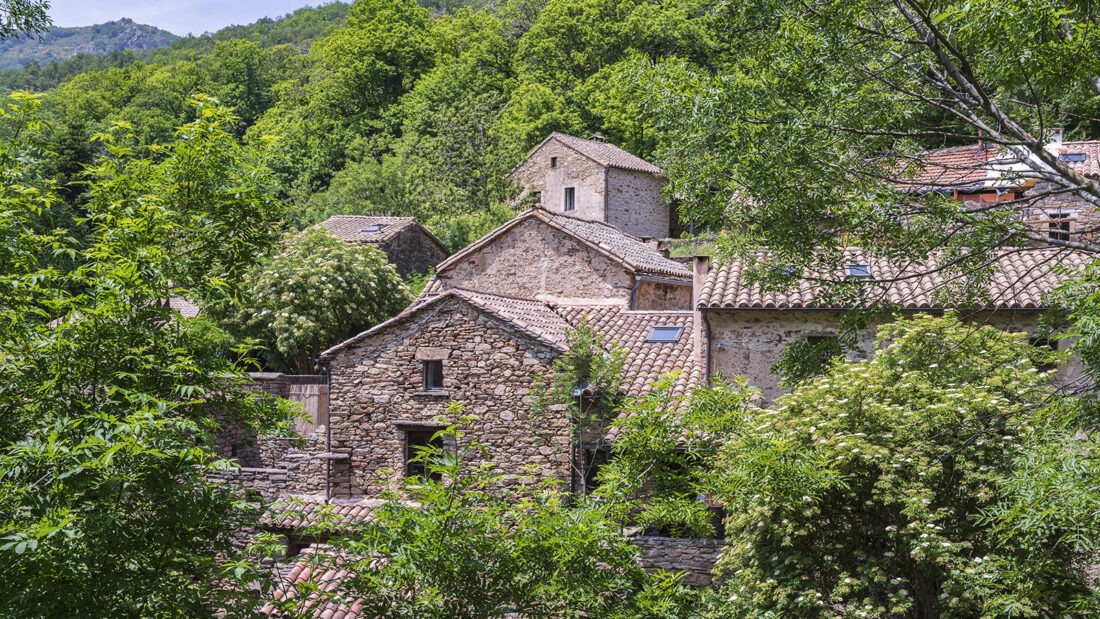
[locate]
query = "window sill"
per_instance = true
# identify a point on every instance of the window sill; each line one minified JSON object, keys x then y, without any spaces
{"x":432,"y":393}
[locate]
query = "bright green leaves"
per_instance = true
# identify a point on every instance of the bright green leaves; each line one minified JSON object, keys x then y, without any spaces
{"x":317,"y":292}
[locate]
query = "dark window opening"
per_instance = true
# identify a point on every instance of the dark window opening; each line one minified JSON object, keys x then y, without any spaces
{"x":1072,"y":157}
{"x":537,"y":196}
{"x":1043,"y":356}
{"x":858,"y":270}
{"x":553,"y":162}
{"x":1059,"y":226}
{"x":594,"y":459}
{"x":818,"y":340}
{"x":433,"y":375}
{"x":664,"y":334}
{"x":570,"y":198}
{"x":419,"y":444}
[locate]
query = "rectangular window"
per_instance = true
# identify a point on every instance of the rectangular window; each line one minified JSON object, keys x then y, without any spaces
{"x":553,"y":162}
{"x":417,"y":441}
{"x":1059,"y":226}
{"x":1073,"y":157}
{"x":664,"y":334}
{"x":570,"y":198}
{"x":433,"y":375}
{"x":859,"y":270}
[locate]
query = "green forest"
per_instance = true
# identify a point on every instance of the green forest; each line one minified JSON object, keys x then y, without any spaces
{"x":945,"y":476}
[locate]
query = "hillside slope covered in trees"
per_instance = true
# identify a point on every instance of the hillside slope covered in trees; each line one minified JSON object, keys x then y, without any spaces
{"x":59,"y":44}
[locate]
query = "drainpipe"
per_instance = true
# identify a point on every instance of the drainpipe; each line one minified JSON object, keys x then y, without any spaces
{"x":634,"y":292}
{"x":700,"y":268}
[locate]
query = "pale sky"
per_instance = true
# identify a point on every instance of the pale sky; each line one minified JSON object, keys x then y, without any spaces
{"x":176,"y":16}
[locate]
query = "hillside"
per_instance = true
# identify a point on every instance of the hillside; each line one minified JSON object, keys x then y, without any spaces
{"x":101,"y":39}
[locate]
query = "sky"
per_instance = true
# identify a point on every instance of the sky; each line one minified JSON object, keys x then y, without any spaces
{"x":176,"y":16}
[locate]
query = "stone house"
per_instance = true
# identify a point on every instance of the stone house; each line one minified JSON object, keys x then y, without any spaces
{"x":985,"y":173}
{"x":598,"y":181}
{"x":560,"y":258}
{"x":410,"y":247}
{"x":745,"y":328}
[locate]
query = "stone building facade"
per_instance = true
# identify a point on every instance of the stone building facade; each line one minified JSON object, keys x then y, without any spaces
{"x":594,"y":180}
{"x":409,"y":246}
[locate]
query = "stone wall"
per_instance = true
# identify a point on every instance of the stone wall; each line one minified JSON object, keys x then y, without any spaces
{"x":748,"y":342}
{"x":377,"y":394}
{"x":1081,"y":214}
{"x":532,"y":260}
{"x":694,"y":557}
{"x":586,"y":177}
{"x":413,"y":251}
{"x":635,"y":204}
{"x":658,"y":295}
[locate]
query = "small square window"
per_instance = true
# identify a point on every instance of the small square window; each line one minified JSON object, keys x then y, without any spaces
{"x":1059,"y":226}
{"x":374,"y":228}
{"x":553,"y":162}
{"x":417,"y":440}
{"x":664,"y":334}
{"x":1073,"y":157}
{"x":1044,"y":349}
{"x":858,"y":270}
{"x":433,"y":375}
{"x":570,"y":198}
{"x":819,"y":340}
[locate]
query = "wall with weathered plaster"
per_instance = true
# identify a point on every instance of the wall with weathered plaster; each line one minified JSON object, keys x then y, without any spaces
{"x":635,"y":204}
{"x":657,"y":295}
{"x":694,"y":557}
{"x":377,"y":392}
{"x":587,"y":178}
{"x":1083,"y":215}
{"x":413,"y":251}
{"x":535,"y":261}
{"x":748,"y":342}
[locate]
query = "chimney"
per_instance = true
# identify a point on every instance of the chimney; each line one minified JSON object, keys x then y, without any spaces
{"x":1054,"y":140}
{"x":700,"y":266}
{"x":595,"y":137}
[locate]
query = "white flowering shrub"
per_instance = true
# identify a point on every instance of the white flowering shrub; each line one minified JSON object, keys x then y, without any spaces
{"x":317,"y":292}
{"x":864,"y":492}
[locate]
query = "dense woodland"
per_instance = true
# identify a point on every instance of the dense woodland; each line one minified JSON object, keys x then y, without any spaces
{"x":945,"y":477}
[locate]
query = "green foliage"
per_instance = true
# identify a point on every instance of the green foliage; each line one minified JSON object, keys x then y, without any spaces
{"x":23,"y":17}
{"x":874,"y":490}
{"x":480,"y":544}
{"x":318,"y":291}
{"x":108,"y":398}
{"x":664,"y":457}
{"x":805,"y":359}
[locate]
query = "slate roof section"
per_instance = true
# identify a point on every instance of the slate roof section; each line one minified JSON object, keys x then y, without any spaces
{"x":532,"y":317}
{"x":625,"y":249}
{"x":646,"y":361}
{"x":604,"y":153}
{"x":1021,"y":278}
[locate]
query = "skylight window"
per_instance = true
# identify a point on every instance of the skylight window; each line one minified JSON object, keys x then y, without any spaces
{"x":664,"y":334}
{"x":374,"y":228}
{"x":1073,"y":157}
{"x":858,"y":270}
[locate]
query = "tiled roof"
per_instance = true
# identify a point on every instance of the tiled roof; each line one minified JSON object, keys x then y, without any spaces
{"x":318,"y":575}
{"x":1020,"y":280}
{"x":1090,"y":167}
{"x":295,"y":513}
{"x":956,"y":167}
{"x":532,"y":317}
{"x":351,"y":228}
{"x":185,"y":307}
{"x":606,"y":154}
{"x":620,"y":246}
{"x":644,"y":258}
{"x":645,"y":361}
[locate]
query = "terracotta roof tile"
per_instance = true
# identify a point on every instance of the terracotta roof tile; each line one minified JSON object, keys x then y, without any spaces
{"x":630,"y":249}
{"x":293,"y":513}
{"x":1090,"y":167}
{"x":352,"y":228}
{"x":1020,"y":280}
{"x":606,"y":154}
{"x":185,"y":307}
{"x":646,"y":361}
{"x":956,"y":167}
{"x":314,"y":581}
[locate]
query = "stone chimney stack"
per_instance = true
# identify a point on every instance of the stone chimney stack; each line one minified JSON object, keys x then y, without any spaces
{"x":700,"y":267}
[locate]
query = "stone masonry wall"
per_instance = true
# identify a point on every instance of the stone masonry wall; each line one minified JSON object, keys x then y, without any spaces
{"x":377,"y":393}
{"x":660,"y":296}
{"x":413,"y":251}
{"x":748,"y":342}
{"x":587,"y":178}
{"x":1082,"y":215}
{"x":694,"y":557}
{"x":635,"y":204}
{"x":536,"y":261}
